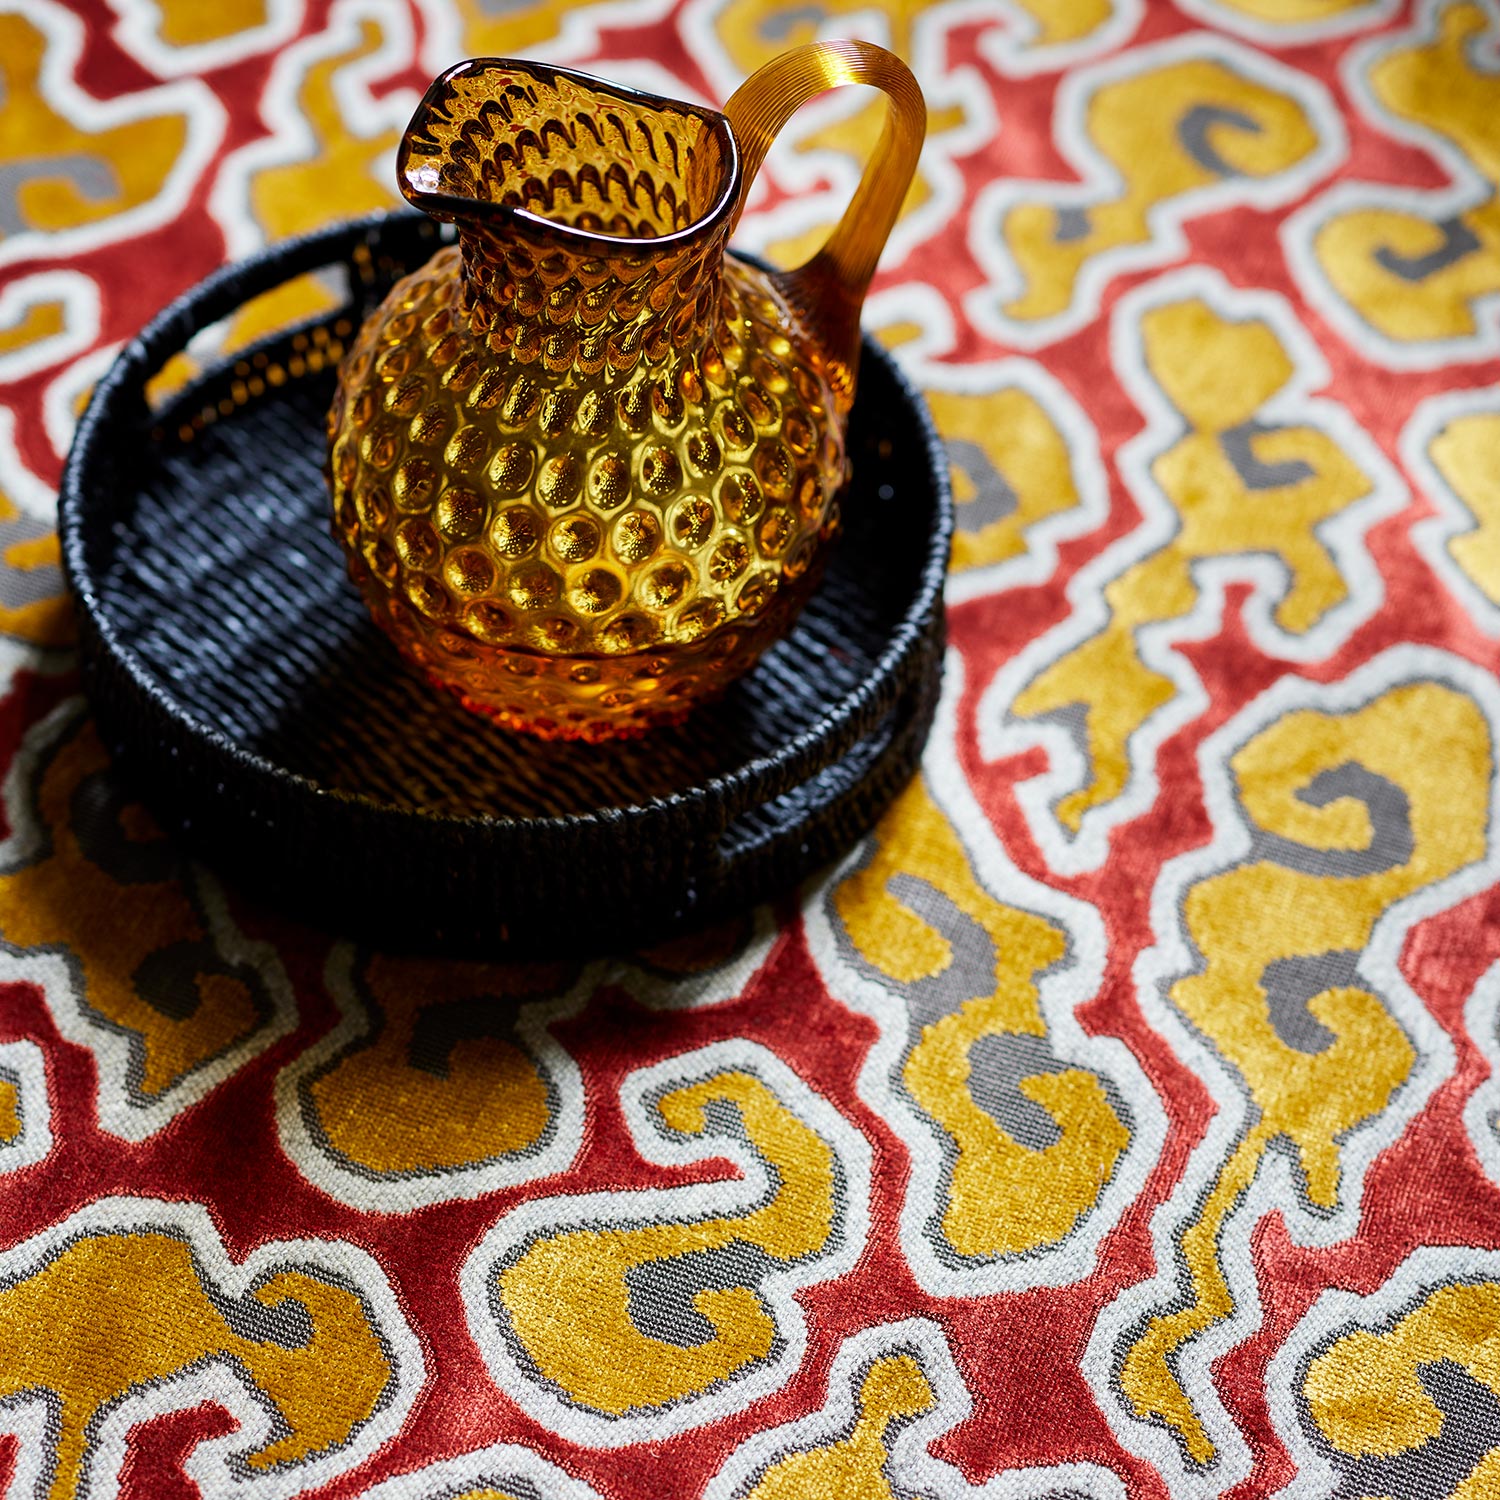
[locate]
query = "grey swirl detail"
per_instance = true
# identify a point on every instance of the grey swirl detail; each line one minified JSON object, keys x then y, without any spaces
{"x":1391,"y":842}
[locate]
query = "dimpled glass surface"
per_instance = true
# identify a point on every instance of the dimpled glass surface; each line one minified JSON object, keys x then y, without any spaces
{"x":582,"y":477}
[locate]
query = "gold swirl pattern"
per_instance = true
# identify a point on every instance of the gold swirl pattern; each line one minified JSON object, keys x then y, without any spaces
{"x":1398,"y":1393}
{"x":1411,"y":277}
{"x":135,"y":949}
{"x":1332,"y":814}
{"x":1241,"y":474}
{"x":440,"y":1081}
{"x":303,"y":1344}
{"x":1026,"y":1136}
{"x":619,"y":1314}
{"x":1167,"y":132}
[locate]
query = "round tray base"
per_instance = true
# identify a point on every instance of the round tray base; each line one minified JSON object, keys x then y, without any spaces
{"x":244,"y":690}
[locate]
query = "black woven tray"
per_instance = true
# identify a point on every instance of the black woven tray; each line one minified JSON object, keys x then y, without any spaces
{"x":248,"y":697}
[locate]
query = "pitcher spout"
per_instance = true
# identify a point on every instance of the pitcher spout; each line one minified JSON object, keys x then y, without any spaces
{"x":591,"y":218}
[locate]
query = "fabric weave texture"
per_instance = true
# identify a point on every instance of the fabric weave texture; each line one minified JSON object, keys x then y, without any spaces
{"x":1120,"y":1119}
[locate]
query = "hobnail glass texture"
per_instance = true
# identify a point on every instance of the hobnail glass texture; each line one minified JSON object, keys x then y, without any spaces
{"x":584,"y":467}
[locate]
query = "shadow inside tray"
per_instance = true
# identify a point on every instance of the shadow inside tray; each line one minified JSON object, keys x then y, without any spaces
{"x":241,"y":607}
{"x":366,"y":724}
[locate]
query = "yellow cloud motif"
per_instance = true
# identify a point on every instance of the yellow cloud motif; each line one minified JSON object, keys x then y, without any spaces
{"x":1449,"y":445}
{"x":108,"y":888}
{"x":633,"y":1314}
{"x":577,"y":1300}
{"x":1349,"y":814}
{"x":893,"y":1388}
{"x":1034,"y":1141}
{"x":331,"y":157}
{"x":46,"y":318}
{"x":1065,"y":21}
{"x":149,"y":984}
{"x":441,"y":1080}
{"x":510,"y":28}
{"x":435,"y":1082}
{"x":1167,"y":128}
{"x":1011,"y":469}
{"x":191,"y":23}
{"x":342,"y":177}
{"x":1240,"y":470}
{"x":1412,"y":275}
{"x":1464,"y":454}
{"x":57,"y":174}
{"x":754,"y":31}
{"x":119,"y":1304}
{"x":1294,"y":15}
{"x":1421,"y":1399}
{"x":1237,"y":486}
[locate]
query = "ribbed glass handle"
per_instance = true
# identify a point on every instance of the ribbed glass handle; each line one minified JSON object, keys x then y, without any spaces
{"x":830,"y":288}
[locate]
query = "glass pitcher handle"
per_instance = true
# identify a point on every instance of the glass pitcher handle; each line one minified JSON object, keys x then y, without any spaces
{"x":830,"y":288}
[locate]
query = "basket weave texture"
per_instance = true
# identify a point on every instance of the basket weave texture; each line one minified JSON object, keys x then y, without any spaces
{"x":242,"y":687}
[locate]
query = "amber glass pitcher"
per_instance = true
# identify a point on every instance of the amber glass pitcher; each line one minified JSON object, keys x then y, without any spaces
{"x":585,"y":466}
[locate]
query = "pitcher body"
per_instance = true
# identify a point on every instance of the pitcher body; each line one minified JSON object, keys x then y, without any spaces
{"x":585,"y":466}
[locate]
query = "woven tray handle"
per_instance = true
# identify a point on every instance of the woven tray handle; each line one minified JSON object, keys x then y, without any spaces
{"x":366,"y":255}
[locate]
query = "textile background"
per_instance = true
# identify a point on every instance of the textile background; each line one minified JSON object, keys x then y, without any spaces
{"x":1121,"y":1119}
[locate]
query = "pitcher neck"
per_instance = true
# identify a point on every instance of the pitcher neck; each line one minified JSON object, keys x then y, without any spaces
{"x":601,"y":312}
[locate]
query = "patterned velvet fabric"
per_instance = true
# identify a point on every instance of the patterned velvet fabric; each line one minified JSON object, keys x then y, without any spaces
{"x":1120,"y":1119}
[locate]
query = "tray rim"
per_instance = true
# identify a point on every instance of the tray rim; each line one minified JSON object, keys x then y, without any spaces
{"x":119,"y":397}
